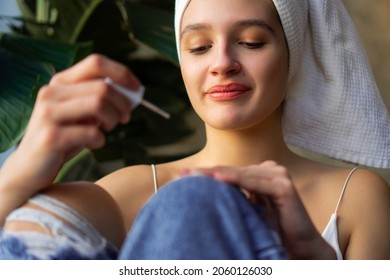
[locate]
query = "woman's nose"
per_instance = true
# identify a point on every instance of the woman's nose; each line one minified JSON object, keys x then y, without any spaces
{"x":224,"y":63}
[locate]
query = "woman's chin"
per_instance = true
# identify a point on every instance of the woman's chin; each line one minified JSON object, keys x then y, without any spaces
{"x":227,"y":123}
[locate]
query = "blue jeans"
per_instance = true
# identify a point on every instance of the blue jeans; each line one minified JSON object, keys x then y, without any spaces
{"x":194,"y":217}
{"x":199,"y":218}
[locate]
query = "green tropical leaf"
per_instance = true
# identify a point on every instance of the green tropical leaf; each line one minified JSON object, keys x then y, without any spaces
{"x":97,"y":21}
{"x":20,"y":80}
{"x":154,"y":27}
{"x":57,"y":19}
{"x":109,"y":28}
{"x":26,"y":65}
{"x":72,"y":17}
{"x":60,"y":55}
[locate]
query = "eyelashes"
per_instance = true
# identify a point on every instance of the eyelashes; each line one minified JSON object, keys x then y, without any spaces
{"x":248,"y":45}
{"x":252,"y":45}
{"x":199,"y":50}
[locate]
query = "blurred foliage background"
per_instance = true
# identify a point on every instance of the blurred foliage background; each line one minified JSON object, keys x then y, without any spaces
{"x":52,"y":35}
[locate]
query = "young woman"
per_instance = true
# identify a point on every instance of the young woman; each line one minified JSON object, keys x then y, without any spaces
{"x":260,"y":74}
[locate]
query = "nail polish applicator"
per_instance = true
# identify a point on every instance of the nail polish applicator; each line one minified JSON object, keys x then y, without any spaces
{"x":136,"y":98}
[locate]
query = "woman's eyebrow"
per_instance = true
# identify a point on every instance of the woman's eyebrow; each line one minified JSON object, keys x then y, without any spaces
{"x":242,"y":24}
{"x":195,"y":27}
{"x":256,"y":22}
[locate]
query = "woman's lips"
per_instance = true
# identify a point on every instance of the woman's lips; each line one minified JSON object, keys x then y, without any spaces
{"x":227,"y":92}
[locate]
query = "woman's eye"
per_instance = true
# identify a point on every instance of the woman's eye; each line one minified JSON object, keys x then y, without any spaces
{"x":199,"y":50}
{"x":251,"y":45}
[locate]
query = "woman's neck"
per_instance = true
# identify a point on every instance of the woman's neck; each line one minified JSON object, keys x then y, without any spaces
{"x":246,"y":146}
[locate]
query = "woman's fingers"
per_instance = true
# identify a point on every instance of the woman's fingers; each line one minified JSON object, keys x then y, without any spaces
{"x":261,"y":178}
{"x":94,"y":67}
{"x":93,"y":101}
{"x":272,"y":181}
{"x":76,"y":136}
{"x":69,"y":117}
{"x":69,"y":114}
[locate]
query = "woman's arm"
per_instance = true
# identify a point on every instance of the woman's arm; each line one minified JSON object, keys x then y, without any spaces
{"x":70,"y":114}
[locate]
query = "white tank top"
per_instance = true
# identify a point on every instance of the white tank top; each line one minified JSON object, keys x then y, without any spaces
{"x":330,"y":233}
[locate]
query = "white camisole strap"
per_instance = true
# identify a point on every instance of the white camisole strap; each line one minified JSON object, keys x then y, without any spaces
{"x":330,"y":233}
{"x":344,"y":187}
{"x":154,"y":178}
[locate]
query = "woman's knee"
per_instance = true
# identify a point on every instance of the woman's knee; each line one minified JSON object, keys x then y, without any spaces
{"x":200,"y":194}
{"x":199,"y":189}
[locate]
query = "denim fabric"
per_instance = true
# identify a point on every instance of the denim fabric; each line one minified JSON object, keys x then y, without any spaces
{"x":75,"y":239}
{"x":197,"y":217}
{"x":191,"y":218}
{"x":21,"y":247}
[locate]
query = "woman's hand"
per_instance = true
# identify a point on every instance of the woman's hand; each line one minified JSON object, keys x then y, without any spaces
{"x":69,"y":114}
{"x":271,"y":181}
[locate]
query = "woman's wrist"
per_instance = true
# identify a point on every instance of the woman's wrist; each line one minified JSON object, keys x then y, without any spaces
{"x":15,"y":188}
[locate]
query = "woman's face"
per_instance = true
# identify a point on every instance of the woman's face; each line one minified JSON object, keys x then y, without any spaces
{"x":234,"y":61}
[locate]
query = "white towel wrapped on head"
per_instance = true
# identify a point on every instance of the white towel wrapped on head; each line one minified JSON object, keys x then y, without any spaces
{"x":333,"y":106}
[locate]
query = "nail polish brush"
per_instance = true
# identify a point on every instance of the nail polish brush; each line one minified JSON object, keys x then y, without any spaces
{"x":136,"y":98}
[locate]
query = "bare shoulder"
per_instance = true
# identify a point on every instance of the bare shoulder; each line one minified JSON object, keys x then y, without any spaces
{"x":366,"y":214}
{"x":367,"y":195}
{"x":125,"y":177}
{"x":368,"y":189}
{"x":131,"y":187}
{"x":363,"y":213}
{"x":140,"y":177}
